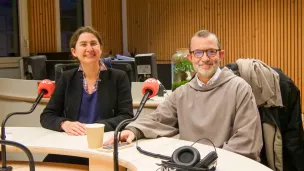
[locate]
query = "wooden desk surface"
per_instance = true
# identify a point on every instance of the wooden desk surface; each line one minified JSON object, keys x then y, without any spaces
{"x":40,"y":140}
{"x":41,"y":166}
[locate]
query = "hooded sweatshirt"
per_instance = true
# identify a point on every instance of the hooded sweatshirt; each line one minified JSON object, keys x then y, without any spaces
{"x":224,"y":112}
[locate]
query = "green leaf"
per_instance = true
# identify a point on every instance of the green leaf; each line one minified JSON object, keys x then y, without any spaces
{"x":183,"y":66}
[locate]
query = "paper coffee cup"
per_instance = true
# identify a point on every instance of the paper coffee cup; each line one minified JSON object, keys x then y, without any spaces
{"x":95,"y":135}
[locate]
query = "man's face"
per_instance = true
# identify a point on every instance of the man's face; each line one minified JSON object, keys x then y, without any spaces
{"x":205,"y":56}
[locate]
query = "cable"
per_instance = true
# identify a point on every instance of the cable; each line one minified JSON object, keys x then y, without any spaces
{"x":165,"y":90}
{"x":159,"y":168}
{"x":211,"y":157}
{"x":147,"y":153}
{"x":166,"y":157}
{"x":169,"y":165}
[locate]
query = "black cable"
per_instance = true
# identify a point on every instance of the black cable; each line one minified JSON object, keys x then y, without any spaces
{"x":147,"y":153}
{"x":184,"y":168}
{"x":173,"y":165}
{"x":163,"y":156}
{"x":159,"y":168}
{"x":164,"y":88}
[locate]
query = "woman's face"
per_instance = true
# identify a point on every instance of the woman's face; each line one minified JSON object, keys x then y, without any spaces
{"x":88,"y":50}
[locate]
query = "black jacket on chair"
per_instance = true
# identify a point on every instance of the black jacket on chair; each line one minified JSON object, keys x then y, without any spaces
{"x":114,"y":99}
{"x":288,"y":119}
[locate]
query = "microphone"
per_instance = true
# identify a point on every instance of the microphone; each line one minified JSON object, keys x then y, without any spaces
{"x":150,"y":86}
{"x":149,"y":89}
{"x":45,"y":89}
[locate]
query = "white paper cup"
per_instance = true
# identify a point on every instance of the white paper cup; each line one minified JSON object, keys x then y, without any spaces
{"x":95,"y":135}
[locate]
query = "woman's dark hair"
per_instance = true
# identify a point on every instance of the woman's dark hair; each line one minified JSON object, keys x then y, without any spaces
{"x":78,"y":32}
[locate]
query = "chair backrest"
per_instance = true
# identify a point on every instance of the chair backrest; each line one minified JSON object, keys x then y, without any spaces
{"x":50,"y":67}
{"x":124,"y":67}
{"x":60,"y":68}
{"x":133,"y":67}
{"x":56,"y":55}
{"x":34,"y":67}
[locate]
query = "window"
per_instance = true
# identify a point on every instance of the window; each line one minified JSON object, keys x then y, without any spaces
{"x":9,"y":28}
{"x":71,"y":18}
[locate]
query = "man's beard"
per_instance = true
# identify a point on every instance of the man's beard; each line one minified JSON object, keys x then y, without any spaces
{"x":207,"y":73}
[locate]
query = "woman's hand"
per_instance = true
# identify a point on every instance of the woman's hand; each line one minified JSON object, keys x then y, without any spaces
{"x":73,"y":128}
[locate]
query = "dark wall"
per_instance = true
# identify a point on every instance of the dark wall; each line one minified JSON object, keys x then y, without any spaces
{"x":164,"y":75}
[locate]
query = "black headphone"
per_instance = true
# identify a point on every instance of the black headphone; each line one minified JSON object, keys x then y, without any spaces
{"x":186,"y":158}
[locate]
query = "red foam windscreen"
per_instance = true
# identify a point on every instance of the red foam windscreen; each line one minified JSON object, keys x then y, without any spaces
{"x":150,"y":84}
{"x":47,"y":85}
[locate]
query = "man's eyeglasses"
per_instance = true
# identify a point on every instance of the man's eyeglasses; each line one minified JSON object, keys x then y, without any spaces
{"x":209,"y":53}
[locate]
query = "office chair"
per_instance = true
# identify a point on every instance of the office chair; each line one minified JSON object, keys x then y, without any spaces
{"x":124,"y":67}
{"x":34,"y":67}
{"x":60,"y":68}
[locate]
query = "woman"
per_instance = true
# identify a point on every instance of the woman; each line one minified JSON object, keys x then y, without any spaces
{"x":91,"y":93}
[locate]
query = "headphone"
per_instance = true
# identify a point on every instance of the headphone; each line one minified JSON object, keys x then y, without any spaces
{"x":186,"y":158}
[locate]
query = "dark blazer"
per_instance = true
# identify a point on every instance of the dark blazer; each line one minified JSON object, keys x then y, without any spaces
{"x":114,"y":99}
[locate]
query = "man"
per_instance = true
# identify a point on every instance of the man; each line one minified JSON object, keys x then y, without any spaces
{"x":215,"y":104}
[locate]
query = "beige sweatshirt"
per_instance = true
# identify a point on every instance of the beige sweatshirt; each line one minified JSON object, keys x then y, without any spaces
{"x":224,"y":112}
{"x":264,"y":81}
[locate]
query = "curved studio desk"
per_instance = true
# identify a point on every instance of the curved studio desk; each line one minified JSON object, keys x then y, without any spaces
{"x":40,"y":140}
{"x":17,"y":95}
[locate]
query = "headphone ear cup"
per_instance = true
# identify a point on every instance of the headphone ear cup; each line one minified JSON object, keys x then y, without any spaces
{"x":186,"y":156}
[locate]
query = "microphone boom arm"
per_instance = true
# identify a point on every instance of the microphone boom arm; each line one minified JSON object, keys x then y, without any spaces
{"x":22,"y":147}
{"x":3,"y":147}
{"x":121,"y":124}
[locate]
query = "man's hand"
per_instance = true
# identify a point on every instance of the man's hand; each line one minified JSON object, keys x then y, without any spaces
{"x":73,"y":128}
{"x":125,"y":135}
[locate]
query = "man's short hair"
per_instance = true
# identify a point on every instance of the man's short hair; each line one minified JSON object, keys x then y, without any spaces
{"x":205,"y":33}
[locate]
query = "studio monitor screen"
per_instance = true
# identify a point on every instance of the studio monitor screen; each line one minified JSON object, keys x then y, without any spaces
{"x":146,"y":66}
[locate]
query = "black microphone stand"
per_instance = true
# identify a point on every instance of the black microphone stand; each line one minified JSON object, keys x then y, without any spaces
{"x":3,"y":147}
{"x":22,"y":147}
{"x":121,"y":124}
